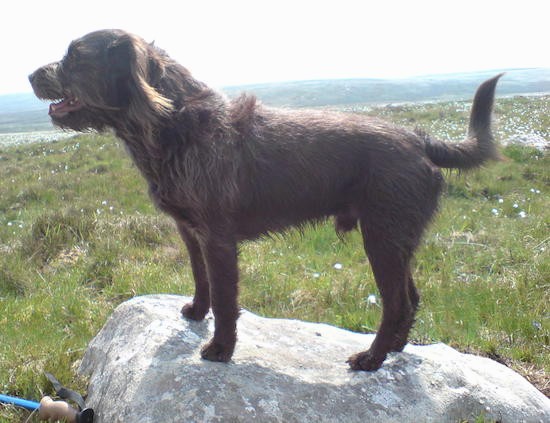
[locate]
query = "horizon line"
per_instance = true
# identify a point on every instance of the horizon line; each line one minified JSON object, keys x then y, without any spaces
{"x":396,"y":78}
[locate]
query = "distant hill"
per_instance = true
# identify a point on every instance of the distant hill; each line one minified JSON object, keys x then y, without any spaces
{"x":381,"y":91}
{"x":25,"y":113}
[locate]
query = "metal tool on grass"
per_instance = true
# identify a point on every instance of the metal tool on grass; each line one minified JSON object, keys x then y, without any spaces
{"x":50,"y":410}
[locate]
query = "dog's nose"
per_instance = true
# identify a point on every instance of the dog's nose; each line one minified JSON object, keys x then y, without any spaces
{"x":32,"y":77}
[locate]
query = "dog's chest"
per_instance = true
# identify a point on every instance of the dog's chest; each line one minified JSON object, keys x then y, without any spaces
{"x":174,"y":203}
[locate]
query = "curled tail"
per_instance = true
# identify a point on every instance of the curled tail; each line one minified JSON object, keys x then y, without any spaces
{"x":479,"y":146}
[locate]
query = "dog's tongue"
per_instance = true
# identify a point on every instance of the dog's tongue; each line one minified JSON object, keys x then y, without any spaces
{"x":62,"y":108}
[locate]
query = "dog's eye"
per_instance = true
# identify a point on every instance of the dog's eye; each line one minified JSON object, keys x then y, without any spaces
{"x":73,"y":53}
{"x":72,"y":56}
{"x":72,"y":62}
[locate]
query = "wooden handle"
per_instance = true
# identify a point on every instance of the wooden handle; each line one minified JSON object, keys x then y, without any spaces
{"x":56,"y":410}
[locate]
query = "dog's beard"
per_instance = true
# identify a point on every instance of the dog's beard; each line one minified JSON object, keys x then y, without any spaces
{"x":67,"y":111}
{"x":72,"y":114}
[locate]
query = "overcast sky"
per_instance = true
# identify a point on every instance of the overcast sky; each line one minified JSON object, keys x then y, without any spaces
{"x":240,"y":42}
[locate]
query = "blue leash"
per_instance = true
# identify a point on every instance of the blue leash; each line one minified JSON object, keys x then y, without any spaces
{"x":20,"y":402}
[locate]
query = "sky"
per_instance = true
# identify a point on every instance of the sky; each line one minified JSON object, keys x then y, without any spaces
{"x":236,"y":42}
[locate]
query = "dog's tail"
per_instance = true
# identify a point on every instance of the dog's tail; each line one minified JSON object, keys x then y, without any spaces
{"x":479,"y":146}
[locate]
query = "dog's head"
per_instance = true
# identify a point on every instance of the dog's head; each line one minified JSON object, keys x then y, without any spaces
{"x":105,"y":77}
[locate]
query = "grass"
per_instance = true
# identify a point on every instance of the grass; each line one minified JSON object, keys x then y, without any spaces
{"x":78,"y":235}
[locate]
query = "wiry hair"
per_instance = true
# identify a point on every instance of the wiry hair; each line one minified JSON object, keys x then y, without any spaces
{"x":228,"y":171}
{"x":131,"y":65}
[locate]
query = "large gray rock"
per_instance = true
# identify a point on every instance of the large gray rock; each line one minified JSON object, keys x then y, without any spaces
{"x":144,"y":366}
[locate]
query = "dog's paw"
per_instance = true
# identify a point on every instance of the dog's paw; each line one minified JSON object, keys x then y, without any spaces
{"x":365,"y":361}
{"x":214,"y":351}
{"x":192,"y":312}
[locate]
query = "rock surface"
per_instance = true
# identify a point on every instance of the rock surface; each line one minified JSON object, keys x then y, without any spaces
{"x":144,"y":366}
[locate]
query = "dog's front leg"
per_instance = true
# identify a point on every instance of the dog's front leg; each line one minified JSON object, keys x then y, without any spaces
{"x":197,"y":309}
{"x":220,"y":253}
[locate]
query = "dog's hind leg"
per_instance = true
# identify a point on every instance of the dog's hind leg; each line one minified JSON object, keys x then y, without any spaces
{"x":390,"y":261}
{"x":401,"y":336}
{"x":197,"y":309}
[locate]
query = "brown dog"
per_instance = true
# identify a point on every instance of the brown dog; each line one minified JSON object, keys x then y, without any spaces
{"x":229,"y":171}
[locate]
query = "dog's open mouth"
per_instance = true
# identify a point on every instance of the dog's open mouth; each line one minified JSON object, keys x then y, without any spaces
{"x":64,"y":106}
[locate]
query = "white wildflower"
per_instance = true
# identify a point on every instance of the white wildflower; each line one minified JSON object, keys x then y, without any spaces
{"x":371,"y":299}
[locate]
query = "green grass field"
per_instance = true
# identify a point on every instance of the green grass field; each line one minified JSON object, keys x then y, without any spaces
{"x":78,"y":235}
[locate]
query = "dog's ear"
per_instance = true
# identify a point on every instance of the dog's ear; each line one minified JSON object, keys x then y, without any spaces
{"x":132,"y":70}
{"x":156,"y":65}
{"x":118,"y":58}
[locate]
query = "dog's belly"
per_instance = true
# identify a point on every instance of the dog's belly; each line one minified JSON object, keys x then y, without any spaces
{"x":278,"y":204}
{"x":259,"y":223}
